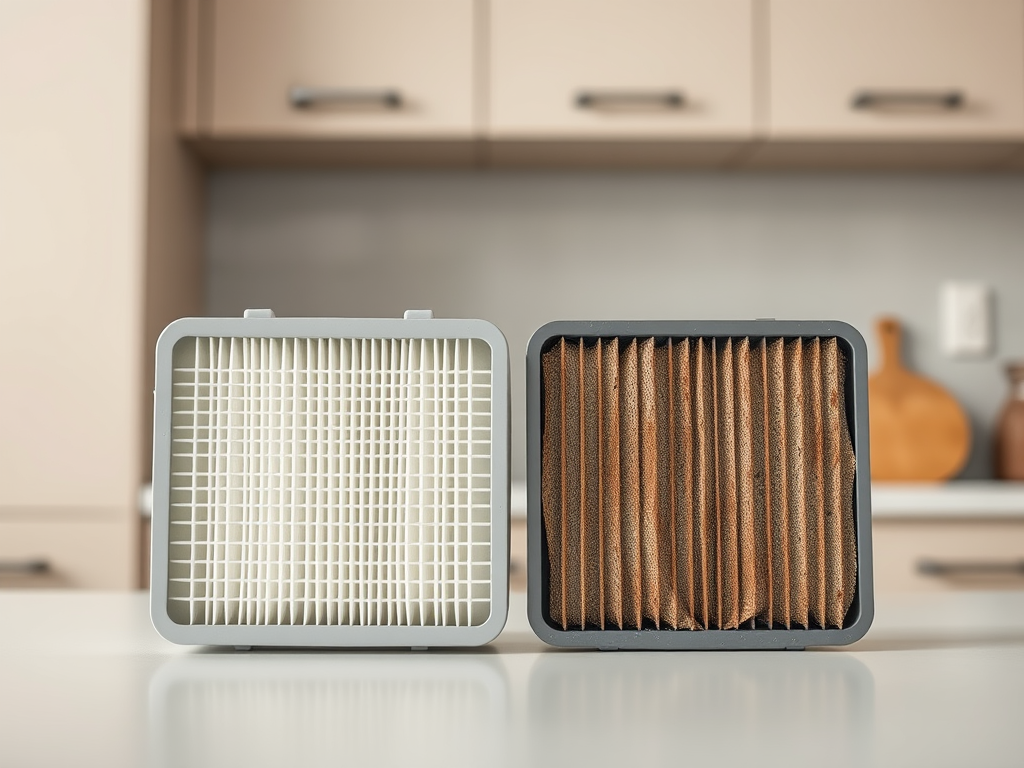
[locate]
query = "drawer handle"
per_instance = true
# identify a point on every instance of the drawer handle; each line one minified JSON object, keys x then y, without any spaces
{"x":24,"y":566}
{"x":943,"y":99}
{"x":598,"y":99}
{"x":971,"y":568}
{"x":305,"y":98}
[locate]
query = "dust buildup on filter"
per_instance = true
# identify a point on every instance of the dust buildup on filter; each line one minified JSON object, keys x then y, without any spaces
{"x":610,"y":488}
{"x":552,"y":486}
{"x":650,"y":571}
{"x":728,"y":500}
{"x":629,"y":484}
{"x":573,"y":492}
{"x":697,"y":483}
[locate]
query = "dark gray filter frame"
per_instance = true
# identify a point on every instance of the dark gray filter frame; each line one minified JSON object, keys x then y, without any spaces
{"x":861,"y":612}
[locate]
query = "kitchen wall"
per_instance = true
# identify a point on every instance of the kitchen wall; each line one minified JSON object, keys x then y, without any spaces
{"x":520,"y":249}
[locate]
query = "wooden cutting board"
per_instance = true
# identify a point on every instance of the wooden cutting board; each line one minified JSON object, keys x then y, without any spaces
{"x":918,"y":430}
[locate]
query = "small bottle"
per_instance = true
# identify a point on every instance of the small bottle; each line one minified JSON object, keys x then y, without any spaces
{"x":1009,"y":447}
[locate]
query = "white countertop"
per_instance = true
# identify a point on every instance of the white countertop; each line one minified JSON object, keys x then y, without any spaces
{"x":85,"y":681}
{"x":959,"y":498}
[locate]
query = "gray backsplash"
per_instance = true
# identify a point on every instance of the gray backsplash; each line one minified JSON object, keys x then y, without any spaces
{"x":520,"y":249}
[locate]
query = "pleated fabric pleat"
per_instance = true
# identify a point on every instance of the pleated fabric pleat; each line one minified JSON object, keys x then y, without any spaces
{"x":572,"y":481}
{"x":728,"y":489}
{"x":590,"y":499}
{"x":746,"y":483}
{"x":650,"y":590}
{"x":553,"y":470}
{"x":760,"y":441}
{"x":705,"y":529}
{"x":668,"y":612}
{"x":611,"y":499}
{"x":629,"y":485}
{"x":796,"y":497}
{"x":813,"y":427}
{"x":683,"y":476}
{"x":777,"y":483}
{"x":697,"y":483}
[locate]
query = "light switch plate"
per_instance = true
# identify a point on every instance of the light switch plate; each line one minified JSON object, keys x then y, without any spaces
{"x":966,"y":317}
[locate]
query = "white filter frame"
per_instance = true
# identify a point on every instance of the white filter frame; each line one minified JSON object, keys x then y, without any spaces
{"x":317,"y":632}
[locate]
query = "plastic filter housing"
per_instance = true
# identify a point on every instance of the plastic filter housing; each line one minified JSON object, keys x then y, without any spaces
{"x":698,"y":485}
{"x":330,"y":482}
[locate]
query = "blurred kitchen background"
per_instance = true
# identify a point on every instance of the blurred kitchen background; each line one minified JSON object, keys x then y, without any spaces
{"x":513,"y":160}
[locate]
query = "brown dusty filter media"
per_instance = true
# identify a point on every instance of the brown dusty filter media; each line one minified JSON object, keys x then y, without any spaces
{"x":697,"y":483}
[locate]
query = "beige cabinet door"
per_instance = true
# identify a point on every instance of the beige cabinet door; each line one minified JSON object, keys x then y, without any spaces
{"x":929,"y":555}
{"x":341,"y":68}
{"x":71,"y":237}
{"x":608,"y":69}
{"x":896,"y":69}
{"x":72,"y":207}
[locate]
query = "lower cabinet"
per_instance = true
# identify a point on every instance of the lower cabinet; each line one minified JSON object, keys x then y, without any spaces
{"x":935,"y":554}
{"x":100,"y":236}
{"x":65,"y":553}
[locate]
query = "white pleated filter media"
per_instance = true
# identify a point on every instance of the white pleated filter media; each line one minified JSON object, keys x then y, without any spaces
{"x":330,"y":481}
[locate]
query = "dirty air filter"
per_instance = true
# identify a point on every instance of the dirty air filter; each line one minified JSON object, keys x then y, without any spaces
{"x":698,"y":484}
{"x":330,"y":482}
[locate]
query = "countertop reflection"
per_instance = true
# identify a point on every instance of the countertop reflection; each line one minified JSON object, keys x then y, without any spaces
{"x":302,"y":709}
{"x":86,"y":681}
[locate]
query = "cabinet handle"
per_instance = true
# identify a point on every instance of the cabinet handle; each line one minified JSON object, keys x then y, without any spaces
{"x":944,"y":99}
{"x":24,"y":566}
{"x":304,"y":98}
{"x":941,"y":568}
{"x":598,"y":99}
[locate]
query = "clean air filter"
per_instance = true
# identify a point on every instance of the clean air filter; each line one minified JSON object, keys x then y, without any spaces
{"x":330,"y":482}
{"x":698,"y":485}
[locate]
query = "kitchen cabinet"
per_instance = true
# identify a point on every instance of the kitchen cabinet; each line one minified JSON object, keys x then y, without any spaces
{"x":96,"y":211}
{"x":71,"y":550}
{"x":889,"y":69}
{"x":929,"y":555}
{"x":738,"y":83}
{"x":653,"y":70}
{"x":964,"y":535}
{"x":335,"y":68}
{"x":922,"y":83}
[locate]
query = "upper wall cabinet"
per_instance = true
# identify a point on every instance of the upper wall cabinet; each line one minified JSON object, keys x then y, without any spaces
{"x":655,"y":69}
{"x":896,"y":69}
{"x":662,"y":83}
{"x":334,"y":68}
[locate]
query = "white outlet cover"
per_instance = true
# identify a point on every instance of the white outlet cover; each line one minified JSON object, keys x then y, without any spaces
{"x":966,"y":318}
